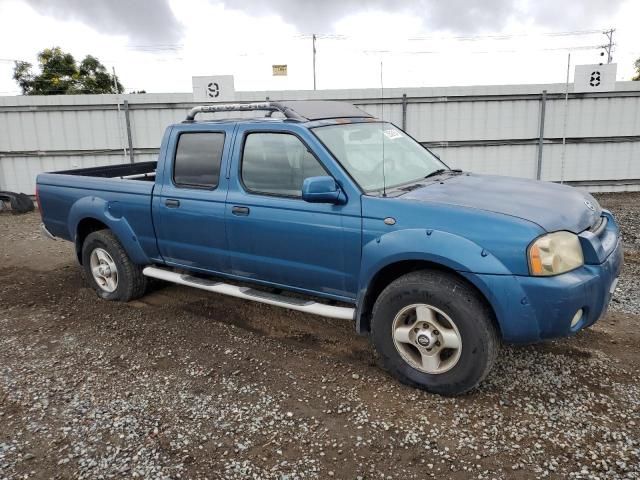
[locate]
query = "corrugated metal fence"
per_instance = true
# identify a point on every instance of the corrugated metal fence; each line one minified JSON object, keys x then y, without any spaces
{"x":488,"y":129}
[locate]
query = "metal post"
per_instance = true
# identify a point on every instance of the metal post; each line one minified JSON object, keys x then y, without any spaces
{"x":543,"y":106}
{"x":115,"y":88}
{"x":129,"y":138}
{"x":314,"y":60}
{"x":564,"y":121}
{"x":404,"y":112}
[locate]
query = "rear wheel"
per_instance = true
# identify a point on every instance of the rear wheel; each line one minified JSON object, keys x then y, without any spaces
{"x":110,"y":270}
{"x":433,"y":331}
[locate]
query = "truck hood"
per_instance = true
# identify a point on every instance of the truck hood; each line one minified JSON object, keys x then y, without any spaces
{"x":550,"y":205}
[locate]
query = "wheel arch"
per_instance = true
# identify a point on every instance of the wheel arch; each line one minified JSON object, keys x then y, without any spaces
{"x":387,"y":274}
{"x":85,"y":227}
{"x":89,"y":214}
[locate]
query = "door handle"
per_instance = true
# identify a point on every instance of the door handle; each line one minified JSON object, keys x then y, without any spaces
{"x":240,"y":211}
{"x":172,"y":203}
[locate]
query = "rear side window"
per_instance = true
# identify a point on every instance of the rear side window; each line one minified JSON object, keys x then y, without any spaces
{"x":198,"y":157}
{"x":277,"y":164}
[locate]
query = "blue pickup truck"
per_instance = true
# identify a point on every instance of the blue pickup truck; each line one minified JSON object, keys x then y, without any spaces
{"x":321,"y":208}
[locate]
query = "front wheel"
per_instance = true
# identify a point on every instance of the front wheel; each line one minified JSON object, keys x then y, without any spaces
{"x":110,"y":270}
{"x":434,"y":331}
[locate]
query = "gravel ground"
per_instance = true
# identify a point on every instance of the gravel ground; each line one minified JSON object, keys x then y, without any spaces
{"x":185,"y":384}
{"x":626,"y":207}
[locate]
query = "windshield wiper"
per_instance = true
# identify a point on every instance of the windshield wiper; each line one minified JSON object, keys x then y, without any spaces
{"x":436,"y":172}
{"x":413,"y":186}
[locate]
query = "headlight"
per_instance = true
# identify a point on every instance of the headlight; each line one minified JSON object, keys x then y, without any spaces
{"x":555,"y":253}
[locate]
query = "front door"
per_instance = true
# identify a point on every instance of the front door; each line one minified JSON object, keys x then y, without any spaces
{"x":189,"y":208}
{"x":274,"y":236}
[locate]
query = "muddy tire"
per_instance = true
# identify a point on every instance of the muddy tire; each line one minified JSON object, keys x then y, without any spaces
{"x":109,"y":269}
{"x":433,"y":331}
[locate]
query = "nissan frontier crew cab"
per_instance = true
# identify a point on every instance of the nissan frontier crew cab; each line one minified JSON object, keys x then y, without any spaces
{"x":321,"y":208}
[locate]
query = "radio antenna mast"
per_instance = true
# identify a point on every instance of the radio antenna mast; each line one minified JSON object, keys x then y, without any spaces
{"x":384,"y":179}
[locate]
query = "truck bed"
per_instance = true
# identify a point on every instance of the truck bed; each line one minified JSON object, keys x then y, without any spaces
{"x":123,"y":192}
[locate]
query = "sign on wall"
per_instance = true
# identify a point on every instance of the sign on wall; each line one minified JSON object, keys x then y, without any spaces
{"x":279,"y":70}
{"x":215,"y":88}
{"x":595,"y":78}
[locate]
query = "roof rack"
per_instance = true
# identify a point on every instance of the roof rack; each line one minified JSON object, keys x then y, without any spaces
{"x":243,"y":107}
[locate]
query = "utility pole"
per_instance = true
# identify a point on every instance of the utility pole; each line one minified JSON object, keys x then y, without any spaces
{"x":313,"y":40}
{"x":608,"y":48}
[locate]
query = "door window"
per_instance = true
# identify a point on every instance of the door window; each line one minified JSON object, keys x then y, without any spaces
{"x":277,"y":164}
{"x":197,"y":161}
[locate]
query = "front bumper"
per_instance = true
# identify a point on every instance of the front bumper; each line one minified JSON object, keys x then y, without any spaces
{"x":530,"y":308}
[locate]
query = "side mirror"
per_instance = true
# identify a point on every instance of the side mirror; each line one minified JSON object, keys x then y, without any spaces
{"x":322,"y":190}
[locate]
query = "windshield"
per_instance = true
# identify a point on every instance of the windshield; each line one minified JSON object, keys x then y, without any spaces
{"x":359,"y":146}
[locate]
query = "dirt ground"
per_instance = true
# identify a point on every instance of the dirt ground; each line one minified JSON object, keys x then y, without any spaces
{"x":187,"y":384}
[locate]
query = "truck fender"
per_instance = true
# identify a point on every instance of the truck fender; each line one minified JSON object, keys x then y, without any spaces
{"x":434,"y":246}
{"x":110,"y":214}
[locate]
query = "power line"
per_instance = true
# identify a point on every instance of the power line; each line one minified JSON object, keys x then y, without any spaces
{"x":156,"y":48}
{"x":430,"y":52}
{"x":463,"y":37}
{"x":152,"y":47}
{"x":507,"y":36}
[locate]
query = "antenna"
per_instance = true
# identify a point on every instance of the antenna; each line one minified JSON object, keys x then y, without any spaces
{"x":384,"y":179}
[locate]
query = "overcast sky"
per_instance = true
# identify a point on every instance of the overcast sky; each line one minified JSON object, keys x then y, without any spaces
{"x":157,"y":45}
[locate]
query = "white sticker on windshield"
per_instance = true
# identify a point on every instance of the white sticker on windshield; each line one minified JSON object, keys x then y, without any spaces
{"x":392,"y":134}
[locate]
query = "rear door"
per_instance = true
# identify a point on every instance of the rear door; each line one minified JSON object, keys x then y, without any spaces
{"x":274,"y":235}
{"x":189,"y":208}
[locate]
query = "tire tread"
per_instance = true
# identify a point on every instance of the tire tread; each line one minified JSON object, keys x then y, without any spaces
{"x":135,"y":282}
{"x":418,"y":281}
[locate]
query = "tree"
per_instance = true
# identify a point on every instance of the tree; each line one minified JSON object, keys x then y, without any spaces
{"x":637,"y":75}
{"x":61,"y":75}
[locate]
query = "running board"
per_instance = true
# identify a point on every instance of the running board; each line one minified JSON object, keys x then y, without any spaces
{"x":248,"y":293}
